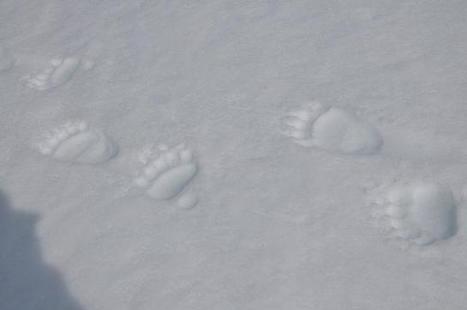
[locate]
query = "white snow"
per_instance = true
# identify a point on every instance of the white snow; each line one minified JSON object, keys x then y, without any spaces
{"x":76,"y":142}
{"x":6,"y":59}
{"x":167,"y":175}
{"x":58,"y":72}
{"x":261,"y":222}
{"x":420,"y":212}
{"x":332,"y":129}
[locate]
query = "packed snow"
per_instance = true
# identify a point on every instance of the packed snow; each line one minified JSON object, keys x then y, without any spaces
{"x":233,"y":155}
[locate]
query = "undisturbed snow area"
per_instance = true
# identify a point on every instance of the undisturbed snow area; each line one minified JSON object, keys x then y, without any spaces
{"x":193,"y":155}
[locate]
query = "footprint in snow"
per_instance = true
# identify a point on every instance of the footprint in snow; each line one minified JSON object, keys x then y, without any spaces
{"x":58,"y":72}
{"x":76,"y":142}
{"x":166,"y":173}
{"x":331,"y":129}
{"x":419,"y":213}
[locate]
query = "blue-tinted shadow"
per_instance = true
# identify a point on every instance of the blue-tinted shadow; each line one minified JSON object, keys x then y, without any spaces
{"x":26,"y":281}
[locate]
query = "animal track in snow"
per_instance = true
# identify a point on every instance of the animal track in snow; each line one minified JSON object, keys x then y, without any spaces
{"x":419,"y":213}
{"x":59,"y":71}
{"x":6,"y":59}
{"x":76,"y":142}
{"x":331,"y":129}
{"x":166,"y":175}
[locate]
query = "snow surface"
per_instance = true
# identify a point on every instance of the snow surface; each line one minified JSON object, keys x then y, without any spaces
{"x":265,"y":223}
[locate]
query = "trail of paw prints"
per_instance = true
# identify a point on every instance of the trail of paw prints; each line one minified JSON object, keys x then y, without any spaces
{"x":167,"y":173}
{"x":58,"y":72}
{"x":331,"y":129}
{"x":414,"y":213}
{"x":76,"y":142}
{"x":7,"y":60}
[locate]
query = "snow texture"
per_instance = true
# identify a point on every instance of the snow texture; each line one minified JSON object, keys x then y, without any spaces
{"x":361,"y":205}
{"x":166,"y":175}
{"x":6,"y":59}
{"x":332,"y":129}
{"x":76,"y":142}
{"x":58,"y":72}
{"x":421,"y":213}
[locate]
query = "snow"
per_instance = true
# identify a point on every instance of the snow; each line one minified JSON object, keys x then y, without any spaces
{"x":262,"y":222}
{"x":332,"y":129}
{"x":422,"y":213}
{"x":75,"y":142}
